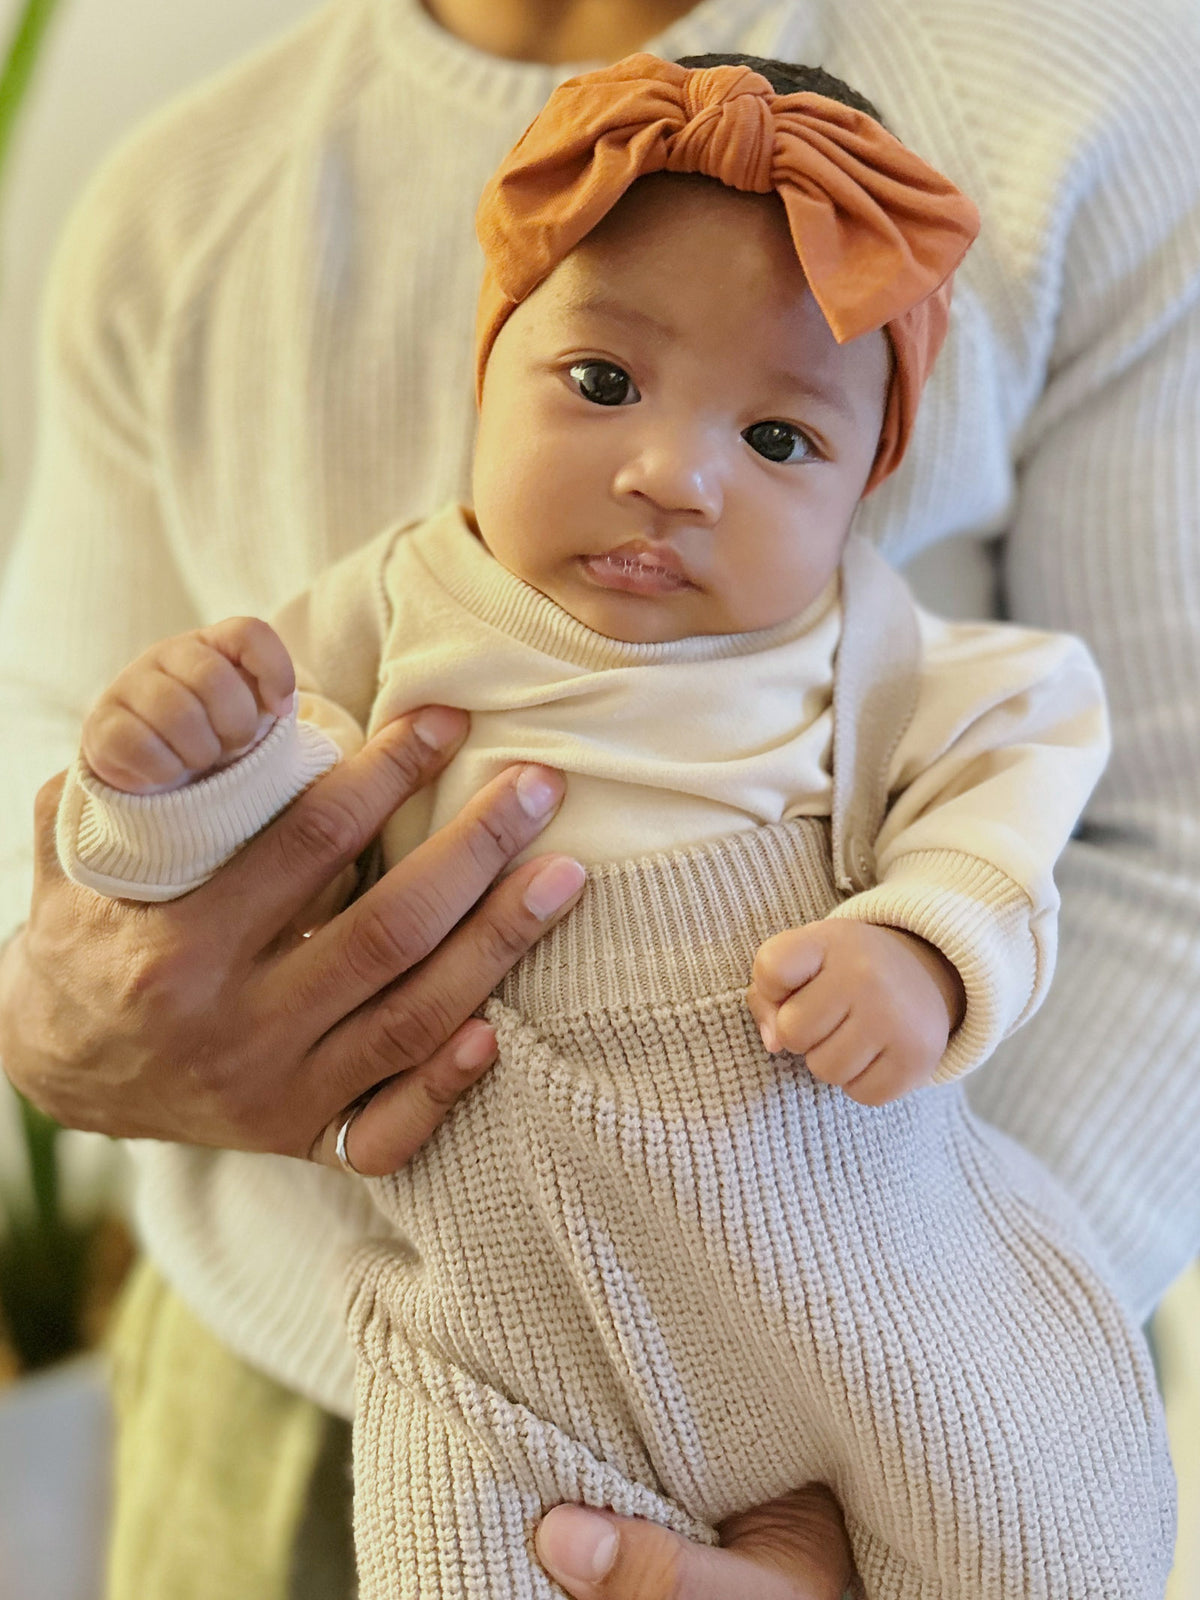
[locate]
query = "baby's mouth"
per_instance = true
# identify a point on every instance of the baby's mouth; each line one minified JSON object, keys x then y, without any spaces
{"x":638,"y":568}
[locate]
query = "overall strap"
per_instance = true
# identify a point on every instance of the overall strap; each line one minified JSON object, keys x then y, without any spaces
{"x":876,"y":676}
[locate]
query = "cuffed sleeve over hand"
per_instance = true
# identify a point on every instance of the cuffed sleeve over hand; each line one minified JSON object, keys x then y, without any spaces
{"x":1007,"y":741}
{"x":155,"y":847}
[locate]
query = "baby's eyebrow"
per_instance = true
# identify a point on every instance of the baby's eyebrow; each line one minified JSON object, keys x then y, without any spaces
{"x":600,"y":305}
{"x":827,"y":393}
{"x":779,"y":380}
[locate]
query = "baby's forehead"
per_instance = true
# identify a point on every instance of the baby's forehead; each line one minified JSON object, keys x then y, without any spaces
{"x":689,"y":201}
{"x":673,"y":235}
{"x":693,"y":266}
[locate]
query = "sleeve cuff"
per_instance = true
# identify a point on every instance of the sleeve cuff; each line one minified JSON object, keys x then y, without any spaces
{"x":157,"y":847}
{"x":981,"y":922}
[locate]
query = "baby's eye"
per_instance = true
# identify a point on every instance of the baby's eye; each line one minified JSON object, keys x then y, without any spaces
{"x":604,"y":383}
{"x":779,"y":441}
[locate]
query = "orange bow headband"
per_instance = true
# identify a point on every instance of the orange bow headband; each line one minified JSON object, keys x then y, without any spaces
{"x":877,"y":231}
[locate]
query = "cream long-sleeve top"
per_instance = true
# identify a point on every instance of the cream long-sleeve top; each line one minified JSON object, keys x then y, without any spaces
{"x":257,"y":356}
{"x":665,"y":746}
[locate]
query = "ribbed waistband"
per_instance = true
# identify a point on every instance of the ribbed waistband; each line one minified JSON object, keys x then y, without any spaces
{"x":670,"y":928}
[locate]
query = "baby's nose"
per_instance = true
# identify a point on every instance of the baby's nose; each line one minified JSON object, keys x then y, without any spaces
{"x":677,"y":470}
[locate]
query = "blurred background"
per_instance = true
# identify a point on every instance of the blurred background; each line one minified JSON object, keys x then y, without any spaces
{"x":74,"y":76}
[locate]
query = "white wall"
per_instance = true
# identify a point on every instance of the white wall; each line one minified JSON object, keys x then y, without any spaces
{"x":105,"y":64}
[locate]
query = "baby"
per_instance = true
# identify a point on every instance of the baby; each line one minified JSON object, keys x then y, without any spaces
{"x":687,"y":1247}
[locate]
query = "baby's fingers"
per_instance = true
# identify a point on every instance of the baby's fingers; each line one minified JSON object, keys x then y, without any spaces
{"x":260,"y":655}
{"x":239,"y":673}
{"x":810,"y":1017}
{"x":125,"y":752}
{"x":786,"y":963}
{"x":847,"y":1057}
{"x":210,"y":709}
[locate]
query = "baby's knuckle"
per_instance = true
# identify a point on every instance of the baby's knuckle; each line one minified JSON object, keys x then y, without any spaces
{"x":656,"y":1565}
{"x":790,"y":1033}
{"x":253,"y":630}
{"x":211,"y":673}
{"x":768,"y":968}
{"x":864,"y":1095}
{"x":234,"y":630}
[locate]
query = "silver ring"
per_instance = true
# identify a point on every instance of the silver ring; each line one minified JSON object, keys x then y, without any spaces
{"x":339,"y":1148}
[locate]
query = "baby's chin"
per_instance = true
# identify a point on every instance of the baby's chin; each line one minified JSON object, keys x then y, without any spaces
{"x":636,"y":619}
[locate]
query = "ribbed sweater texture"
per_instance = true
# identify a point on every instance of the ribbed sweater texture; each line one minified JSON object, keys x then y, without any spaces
{"x":257,"y":355}
{"x":648,"y":1267}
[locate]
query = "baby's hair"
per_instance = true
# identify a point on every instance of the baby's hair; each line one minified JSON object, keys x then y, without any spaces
{"x":785,"y":77}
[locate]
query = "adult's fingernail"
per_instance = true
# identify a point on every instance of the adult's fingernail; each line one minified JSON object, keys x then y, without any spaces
{"x":575,"y":1545}
{"x":475,"y":1047}
{"x":558,"y":881}
{"x":537,"y":792}
{"x":437,"y":726}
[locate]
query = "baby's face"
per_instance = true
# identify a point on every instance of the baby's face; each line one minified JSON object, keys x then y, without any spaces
{"x":671,"y":441}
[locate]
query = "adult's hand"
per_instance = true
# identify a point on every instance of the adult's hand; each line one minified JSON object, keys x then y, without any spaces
{"x":793,"y":1548}
{"x":210,"y":1021}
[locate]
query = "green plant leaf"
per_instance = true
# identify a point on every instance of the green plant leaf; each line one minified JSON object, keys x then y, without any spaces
{"x":22,"y":55}
{"x":41,"y":1149}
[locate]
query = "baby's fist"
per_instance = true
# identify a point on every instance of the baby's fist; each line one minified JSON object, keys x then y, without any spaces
{"x":188,"y":705}
{"x":869,"y":1008}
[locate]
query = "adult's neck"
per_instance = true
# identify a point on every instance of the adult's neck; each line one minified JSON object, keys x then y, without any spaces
{"x":554,"y":31}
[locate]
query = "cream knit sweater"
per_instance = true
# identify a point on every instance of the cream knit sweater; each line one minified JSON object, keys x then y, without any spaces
{"x":645,"y":1265}
{"x":258,"y":354}
{"x":665,"y":746}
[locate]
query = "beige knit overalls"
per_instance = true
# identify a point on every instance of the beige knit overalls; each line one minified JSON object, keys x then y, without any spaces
{"x":645,"y":1265}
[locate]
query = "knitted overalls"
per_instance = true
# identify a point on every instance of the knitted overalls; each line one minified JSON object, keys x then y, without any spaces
{"x":644,"y":1265}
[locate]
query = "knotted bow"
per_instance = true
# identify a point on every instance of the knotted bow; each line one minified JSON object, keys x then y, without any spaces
{"x":877,"y":231}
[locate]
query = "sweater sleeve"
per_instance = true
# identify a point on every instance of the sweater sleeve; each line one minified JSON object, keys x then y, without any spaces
{"x":156,"y":847}
{"x":1007,"y":741}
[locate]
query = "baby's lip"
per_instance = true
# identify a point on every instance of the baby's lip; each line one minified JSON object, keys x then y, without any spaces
{"x":640,"y":568}
{"x":650,"y":556}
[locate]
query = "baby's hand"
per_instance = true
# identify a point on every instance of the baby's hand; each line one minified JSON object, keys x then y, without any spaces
{"x":868,"y":1008}
{"x":188,"y":705}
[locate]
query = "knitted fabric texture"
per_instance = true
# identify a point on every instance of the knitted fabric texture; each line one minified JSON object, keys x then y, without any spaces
{"x":646,"y":1266}
{"x":877,"y":231}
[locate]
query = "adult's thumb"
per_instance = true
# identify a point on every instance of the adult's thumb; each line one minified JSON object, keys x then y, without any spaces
{"x":595,"y":1555}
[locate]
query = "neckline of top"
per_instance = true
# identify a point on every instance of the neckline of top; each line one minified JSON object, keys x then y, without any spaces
{"x":460,"y":565}
{"x":415,"y":44}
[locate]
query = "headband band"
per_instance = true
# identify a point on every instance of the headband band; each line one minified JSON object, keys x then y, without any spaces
{"x":877,"y":231}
